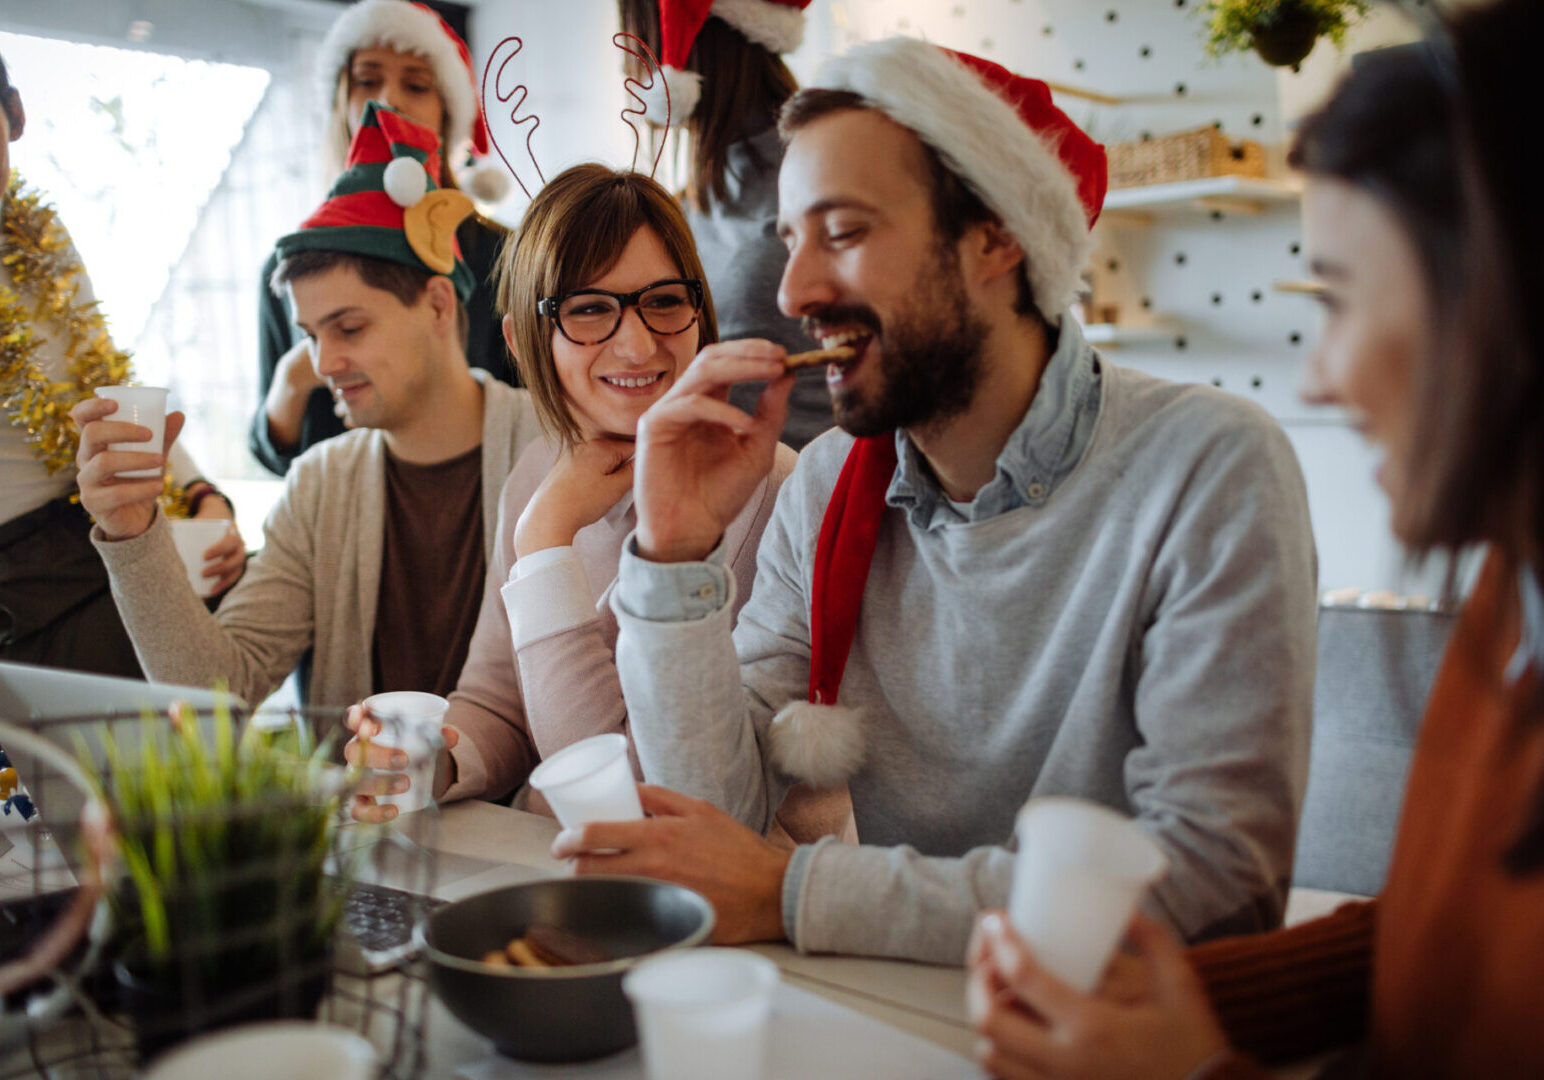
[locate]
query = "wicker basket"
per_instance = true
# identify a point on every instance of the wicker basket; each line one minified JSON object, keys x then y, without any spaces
{"x":1184,"y":155}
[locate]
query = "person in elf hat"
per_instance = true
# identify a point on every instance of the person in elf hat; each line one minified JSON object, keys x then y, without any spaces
{"x":403,"y":55}
{"x":56,"y":608}
{"x":724,"y":67}
{"x":374,"y":555}
{"x":1018,"y":570}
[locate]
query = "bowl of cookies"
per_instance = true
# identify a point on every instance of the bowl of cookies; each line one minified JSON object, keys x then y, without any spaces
{"x":538,"y":967}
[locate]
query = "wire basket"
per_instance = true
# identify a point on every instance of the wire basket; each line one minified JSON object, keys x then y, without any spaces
{"x":163,"y":877}
{"x":1184,"y":155}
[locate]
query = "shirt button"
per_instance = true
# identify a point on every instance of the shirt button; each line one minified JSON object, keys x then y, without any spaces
{"x":1035,"y":490}
{"x":704,"y":592}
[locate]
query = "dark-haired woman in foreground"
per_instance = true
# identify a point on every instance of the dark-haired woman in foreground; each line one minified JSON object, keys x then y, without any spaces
{"x":1422,"y":231}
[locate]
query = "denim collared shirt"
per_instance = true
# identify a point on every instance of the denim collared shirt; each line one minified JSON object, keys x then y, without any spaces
{"x":1038,"y":455}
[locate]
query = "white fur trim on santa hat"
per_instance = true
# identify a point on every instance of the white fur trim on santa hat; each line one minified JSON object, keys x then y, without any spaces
{"x":780,"y":27}
{"x":397,"y":24}
{"x":685,"y":92}
{"x":982,"y":139}
{"x":819,"y":743}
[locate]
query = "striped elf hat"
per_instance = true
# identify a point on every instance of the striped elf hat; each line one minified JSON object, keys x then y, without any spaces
{"x":387,"y":205}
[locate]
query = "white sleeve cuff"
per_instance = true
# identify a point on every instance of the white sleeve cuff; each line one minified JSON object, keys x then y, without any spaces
{"x":538,"y":560}
{"x":554,"y":597}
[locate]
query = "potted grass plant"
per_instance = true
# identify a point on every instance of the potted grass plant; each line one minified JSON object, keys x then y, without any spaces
{"x":224,"y":908}
{"x":1282,"y":32}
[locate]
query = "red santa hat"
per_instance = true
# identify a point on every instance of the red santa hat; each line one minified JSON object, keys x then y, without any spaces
{"x":415,"y":28}
{"x":1031,"y":165}
{"x":776,"y":24}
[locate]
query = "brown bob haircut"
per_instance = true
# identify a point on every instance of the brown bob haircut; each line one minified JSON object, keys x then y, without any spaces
{"x":573,"y":232}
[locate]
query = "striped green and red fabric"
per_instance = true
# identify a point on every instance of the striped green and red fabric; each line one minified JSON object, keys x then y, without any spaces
{"x":359,"y":217}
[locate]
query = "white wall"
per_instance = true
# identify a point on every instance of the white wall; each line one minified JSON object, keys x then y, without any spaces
{"x":574,"y":78}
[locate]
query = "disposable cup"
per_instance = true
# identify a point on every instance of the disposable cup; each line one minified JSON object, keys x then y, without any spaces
{"x":143,"y":405}
{"x":591,"y":780}
{"x":294,"y":1049}
{"x":1080,"y":871}
{"x":702,"y":1013}
{"x":193,"y":537}
{"x":410,"y":722}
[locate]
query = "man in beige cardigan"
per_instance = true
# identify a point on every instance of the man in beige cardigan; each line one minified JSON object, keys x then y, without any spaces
{"x":374,"y":555}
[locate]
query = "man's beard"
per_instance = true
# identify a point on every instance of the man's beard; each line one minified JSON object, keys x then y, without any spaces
{"x":930,"y":358}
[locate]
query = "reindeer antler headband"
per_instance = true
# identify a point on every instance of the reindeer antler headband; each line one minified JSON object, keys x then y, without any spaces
{"x":514,"y":100}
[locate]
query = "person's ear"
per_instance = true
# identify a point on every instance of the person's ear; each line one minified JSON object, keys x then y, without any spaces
{"x":14,"y":113}
{"x":991,"y":251}
{"x":509,"y":337}
{"x":441,"y":295}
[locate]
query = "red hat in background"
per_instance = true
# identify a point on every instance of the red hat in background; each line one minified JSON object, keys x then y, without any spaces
{"x":776,"y":24}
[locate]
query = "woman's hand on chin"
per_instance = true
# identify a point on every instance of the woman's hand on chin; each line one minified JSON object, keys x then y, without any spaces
{"x":588,"y":480}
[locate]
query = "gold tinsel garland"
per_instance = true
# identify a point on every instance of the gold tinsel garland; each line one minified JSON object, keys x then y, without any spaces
{"x":35,"y":249}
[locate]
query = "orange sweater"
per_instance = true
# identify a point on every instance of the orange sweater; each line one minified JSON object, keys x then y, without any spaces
{"x":1443,"y":975}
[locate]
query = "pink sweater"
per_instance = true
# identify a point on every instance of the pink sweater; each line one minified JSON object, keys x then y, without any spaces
{"x":519,"y":701}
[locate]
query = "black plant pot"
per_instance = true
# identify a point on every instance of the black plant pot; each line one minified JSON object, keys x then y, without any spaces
{"x":1286,"y":39}
{"x":169,"y":1003}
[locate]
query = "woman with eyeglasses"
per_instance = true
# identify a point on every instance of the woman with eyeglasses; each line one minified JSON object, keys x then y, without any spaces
{"x":1421,"y":223}
{"x":604,"y":307}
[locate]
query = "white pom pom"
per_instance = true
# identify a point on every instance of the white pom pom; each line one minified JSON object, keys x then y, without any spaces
{"x":819,"y":743}
{"x":406,"y":181}
{"x":685,"y":91}
{"x":485,"y":182}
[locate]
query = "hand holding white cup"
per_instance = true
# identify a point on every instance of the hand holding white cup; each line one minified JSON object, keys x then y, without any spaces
{"x":592,"y":780}
{"x":145,"y":406}
{"x":193,"y":538}
{"x":410,"y":722}
{"x":1080,"y":871}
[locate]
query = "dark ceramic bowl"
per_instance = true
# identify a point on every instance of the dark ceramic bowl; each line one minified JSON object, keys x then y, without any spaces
{"x":564,"y":1013}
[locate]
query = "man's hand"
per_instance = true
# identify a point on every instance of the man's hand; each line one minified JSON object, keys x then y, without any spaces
{"x":123,"y":508}
{"x":695,"y":844}
{"x":384,"y":758}
{"x":699,"y":457}
{"x":1150,"y":1020}
{"x":586,"y":481}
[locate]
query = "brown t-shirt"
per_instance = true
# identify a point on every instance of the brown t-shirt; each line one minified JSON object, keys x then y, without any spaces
{"x":431,"y":573}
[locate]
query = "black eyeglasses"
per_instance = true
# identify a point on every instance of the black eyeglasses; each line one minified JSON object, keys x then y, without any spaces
{"x":591,"y":316}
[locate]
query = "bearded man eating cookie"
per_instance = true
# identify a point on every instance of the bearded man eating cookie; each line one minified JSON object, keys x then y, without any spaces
{"x":1016,"y":570}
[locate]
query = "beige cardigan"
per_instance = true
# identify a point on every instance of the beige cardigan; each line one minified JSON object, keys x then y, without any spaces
{"x":315,"y":581}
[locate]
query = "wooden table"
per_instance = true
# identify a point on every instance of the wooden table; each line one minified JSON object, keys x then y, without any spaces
{"x":483,"y":846}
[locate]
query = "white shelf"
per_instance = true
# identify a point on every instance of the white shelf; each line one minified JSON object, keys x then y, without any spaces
{"x":1216,"y":192}
{"x":1115,"y":334}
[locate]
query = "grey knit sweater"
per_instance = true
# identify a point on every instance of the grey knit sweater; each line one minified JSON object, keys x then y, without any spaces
{"x":1126,"y":612}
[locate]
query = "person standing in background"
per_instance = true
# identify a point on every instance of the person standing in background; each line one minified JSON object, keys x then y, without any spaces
{"x":55,"y":605}
{"x":404,"y":55}
{"x":723,"y":63}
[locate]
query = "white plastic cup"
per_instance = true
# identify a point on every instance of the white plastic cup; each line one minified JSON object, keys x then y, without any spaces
{"x":143,"y":405}
{"x":193,"y":537}
{"x":410,"y":722}
{"x":702,"y":1013}
{"x":592,"y":780}
{"x":294,"y":1049}
{"x":1080,"y":871}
